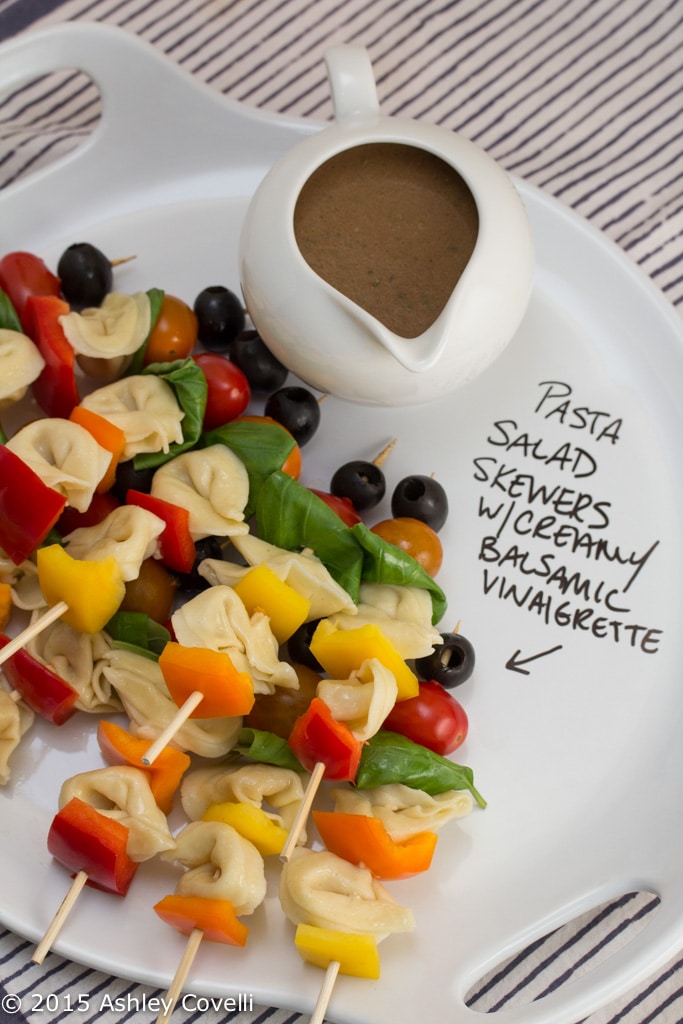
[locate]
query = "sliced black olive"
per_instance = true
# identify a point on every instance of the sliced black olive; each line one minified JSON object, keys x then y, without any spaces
{"x":86,"y":275}
{"x":450,"y":663}
{"x":220,"y":317}
{"x":363,"y":483}
{"x":297,"y":409}
{"x":264,"y":372}
{"x":420,"y":497}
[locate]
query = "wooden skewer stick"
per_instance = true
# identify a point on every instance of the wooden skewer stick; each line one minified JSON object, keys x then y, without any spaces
{"x":63,"y":911}
{"x":381,"y":457}
{"x":120,"y":260}
{"x":303,"y":811}
{"x":182,"y":971}
{"x":178,"y":720}
{"x":323,"y":1000}
{"x":21,"y":639}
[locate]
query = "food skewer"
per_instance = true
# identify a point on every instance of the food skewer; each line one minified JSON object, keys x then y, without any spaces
{"x":63,"y":911}
{"x":204,"y":684}
{"x":179,"y":978}
{"x":84,"y":593}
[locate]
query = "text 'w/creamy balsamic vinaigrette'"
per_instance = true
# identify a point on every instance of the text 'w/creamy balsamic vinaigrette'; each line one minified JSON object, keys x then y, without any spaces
{"x":392,"y":227}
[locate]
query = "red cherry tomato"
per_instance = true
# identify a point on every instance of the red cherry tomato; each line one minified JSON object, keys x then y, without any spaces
{"x":23,"y":274}
{"x":229,"y":392}
{"x":174,"y":334}
{"x":98,"y":509}
{"x":434,"y":719}
{"x":342,"y":506}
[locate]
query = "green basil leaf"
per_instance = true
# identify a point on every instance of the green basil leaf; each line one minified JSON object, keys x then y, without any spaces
{"x":3,"y":435}
{"x":9,"y":321}
{"x":189,"y":385}
{"x":388,"y":758}
{"x":136,"y":631}
{"x":387,"y":563}
{"x":267,"y":748}
{"x":292,"y":517}
{"x":263,"y":448}
{"x":156,"y":297}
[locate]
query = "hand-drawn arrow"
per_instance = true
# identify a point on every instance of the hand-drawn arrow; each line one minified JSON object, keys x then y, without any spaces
{"x":515,"y":662}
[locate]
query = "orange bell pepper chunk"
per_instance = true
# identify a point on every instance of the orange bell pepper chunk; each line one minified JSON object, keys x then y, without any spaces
{"x":5,"y":605}
{"x":362,"y":839}
{"x":107,"y":435}
{"x":227,"y":692}
{"x":216,"y":919}
{"x":165,"y":772}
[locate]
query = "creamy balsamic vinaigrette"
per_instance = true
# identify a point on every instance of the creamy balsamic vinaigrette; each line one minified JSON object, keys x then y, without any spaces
{"x":390,"y":226}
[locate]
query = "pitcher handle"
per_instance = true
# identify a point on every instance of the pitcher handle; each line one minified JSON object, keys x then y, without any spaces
{"x":352,"y":82}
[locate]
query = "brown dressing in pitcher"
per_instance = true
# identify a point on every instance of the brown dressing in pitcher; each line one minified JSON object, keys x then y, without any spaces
{"x":392,"y":227}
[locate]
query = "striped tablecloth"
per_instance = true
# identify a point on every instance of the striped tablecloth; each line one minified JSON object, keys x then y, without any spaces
{"x":583,"y":98}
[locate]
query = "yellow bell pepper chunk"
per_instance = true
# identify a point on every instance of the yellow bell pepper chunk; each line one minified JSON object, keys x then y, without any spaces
{"x":251,"y":822}
{"x":342,"y":651}
{"x":356,"y":954}
{"x":93,"y":590}
{"x":262,"y":590}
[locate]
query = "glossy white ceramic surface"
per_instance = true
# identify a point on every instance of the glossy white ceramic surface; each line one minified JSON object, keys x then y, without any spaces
{"x":563,"y":455}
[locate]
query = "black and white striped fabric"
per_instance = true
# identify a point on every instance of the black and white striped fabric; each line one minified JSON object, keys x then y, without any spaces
{"x":583,"y":98}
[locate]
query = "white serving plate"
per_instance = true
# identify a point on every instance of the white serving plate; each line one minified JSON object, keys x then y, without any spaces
{"x":580,"y":759}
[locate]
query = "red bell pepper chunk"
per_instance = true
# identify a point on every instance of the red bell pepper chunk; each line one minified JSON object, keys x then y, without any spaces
{"x":317,"y":738}
{"x":176,"y":545}
{"x":55,"y":389}
{"x":23,"y":274}
{"x":82,"y":839}
{"x":28,"y":507}
{"x":43,"y":690}
{"x":362,"y":839}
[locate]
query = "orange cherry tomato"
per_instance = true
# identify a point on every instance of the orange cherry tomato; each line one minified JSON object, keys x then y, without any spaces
{"x":174,"y":334}
{"x":292,"y":464}
{"x":415,"y":538}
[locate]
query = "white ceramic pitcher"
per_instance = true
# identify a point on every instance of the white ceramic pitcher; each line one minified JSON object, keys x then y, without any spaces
{"x":330,"y":341}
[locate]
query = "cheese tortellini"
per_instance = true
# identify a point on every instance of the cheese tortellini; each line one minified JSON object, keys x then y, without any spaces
{"x":319,"y":888}
{"x":123,"y":793}
{"x":129,"y":534}
{"x":64,"y":455}
{"x":403,"y":613}
{"x":216,"y":618}
{"x":256,"y":784}
{"x":364,"y":700}
{"x":302,"y":571}
{"x":15,"y":719}
{"x":140,"y":685}
{"x":20,"y":364}
{"x":73,"y":655}
{"x":144,"y":407}
{"x":404,"y":811}
{"x":221,"y":864}
{"x":212,"y":484}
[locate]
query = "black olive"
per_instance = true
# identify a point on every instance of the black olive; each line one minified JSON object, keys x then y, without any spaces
{"x":86,"y":275}
{"x":191,"y":582}
{"x":363,"y":483}
{"x":450,"y":663}
{"x":299,"y":646}
{"x":297,"y":409}
{"x":220,"y":317}
{"x":420,"y":497}
{"x":264,"y":372}
{"x":128,"y":478}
